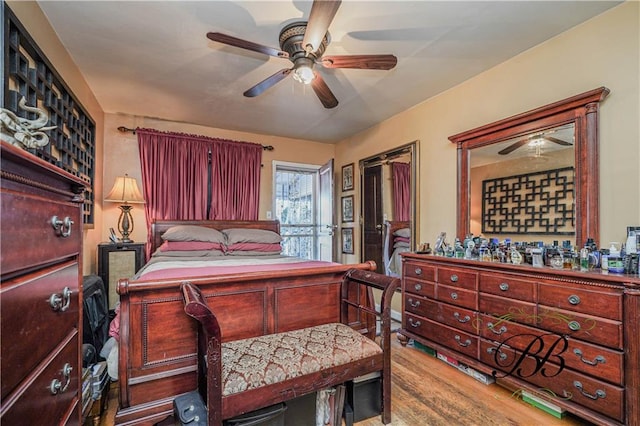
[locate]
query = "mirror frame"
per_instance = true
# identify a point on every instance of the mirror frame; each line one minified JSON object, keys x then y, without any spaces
{"x":582,"y":110}
{"x":412,"y":149}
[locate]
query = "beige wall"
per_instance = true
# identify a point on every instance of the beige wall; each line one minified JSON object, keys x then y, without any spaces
{"x":604,"y":51}
{"x":36,"y":24}
{"x":121,"y":156}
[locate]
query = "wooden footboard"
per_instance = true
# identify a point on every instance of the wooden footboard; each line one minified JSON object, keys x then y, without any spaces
{"x":157,"y":341}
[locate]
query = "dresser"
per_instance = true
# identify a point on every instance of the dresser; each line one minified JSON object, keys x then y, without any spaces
{"x":571,"y":337}
{"x":40,"y":293}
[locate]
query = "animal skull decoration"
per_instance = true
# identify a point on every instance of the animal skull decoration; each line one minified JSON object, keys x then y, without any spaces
{"x":23,"y":132}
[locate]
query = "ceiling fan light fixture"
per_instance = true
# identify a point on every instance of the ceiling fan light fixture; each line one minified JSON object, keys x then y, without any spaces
{"x":303,"y":71}
{"x":536,"y":142}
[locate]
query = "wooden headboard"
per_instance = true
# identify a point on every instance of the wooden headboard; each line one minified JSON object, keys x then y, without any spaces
{"x":159,"y":227}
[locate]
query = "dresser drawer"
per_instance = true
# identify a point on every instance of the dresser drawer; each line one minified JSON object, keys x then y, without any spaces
{"x":31,"y":222}
{"x":28,"y":318}
{"x":457,"y":296}
{"x":420,"y":288}
{"x":420,"y":306}
{"x":601,"y":331}
{"x":599,"y":362}
{"x":506,"y":286}
{"x":458,"y":278}
{"x":420,"y":271}
{"x":461,"y":318}
{"x":35,"y":403}
{"x":588,"y":300}
{"x":564,"y":382}
{"x":508,"y":309}
{"x":452,"y":338}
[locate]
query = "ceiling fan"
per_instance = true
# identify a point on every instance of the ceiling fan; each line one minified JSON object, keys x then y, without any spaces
{"x":535,"y":141}
{"x":304,"y":44}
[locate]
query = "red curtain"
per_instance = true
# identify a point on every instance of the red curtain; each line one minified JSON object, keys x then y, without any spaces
{"x":175,"y":177}
{"x":401,"y":173}
{"x":235,"y":181}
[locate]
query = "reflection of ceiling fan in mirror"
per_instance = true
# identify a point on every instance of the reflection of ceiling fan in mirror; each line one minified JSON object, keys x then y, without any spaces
{"x":535,"y":142}
{"x":304,"y":44}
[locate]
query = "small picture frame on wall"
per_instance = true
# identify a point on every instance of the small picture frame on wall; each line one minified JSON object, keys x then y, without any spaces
{"x":347,"y":208}
{"x":347,"y":177}
{"x":347,"y":240}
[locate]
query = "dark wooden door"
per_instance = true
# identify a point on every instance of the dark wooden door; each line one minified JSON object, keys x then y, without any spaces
{"x":372,"y":216}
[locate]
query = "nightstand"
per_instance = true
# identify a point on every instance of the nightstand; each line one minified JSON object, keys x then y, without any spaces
{"x":116,"y":261}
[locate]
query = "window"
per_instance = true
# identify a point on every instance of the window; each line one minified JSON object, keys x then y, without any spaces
{"x":297,"y":201}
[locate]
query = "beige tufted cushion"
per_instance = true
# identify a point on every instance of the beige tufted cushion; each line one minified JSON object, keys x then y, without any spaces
{"x":259,"y":361}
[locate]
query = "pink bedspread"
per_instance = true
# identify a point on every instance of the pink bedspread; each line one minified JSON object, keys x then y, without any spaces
{"x":175,"y":270}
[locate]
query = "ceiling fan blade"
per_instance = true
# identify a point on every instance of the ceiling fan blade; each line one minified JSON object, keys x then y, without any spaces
{"x":267,"y":83}
{"x":322,"y":13}
{"x":245,"y":44}
{"x":323,"y":92}
{"x":368,"y":62}
{"x":558,"y":141}
{"x":513,"y":147}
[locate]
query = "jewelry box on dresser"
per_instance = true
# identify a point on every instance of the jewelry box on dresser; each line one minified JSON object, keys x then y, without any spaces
{"x":40,"y":294}
{"x":572,"y":337}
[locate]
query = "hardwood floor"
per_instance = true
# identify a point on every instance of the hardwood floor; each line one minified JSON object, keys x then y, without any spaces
{"x":428,"y":392}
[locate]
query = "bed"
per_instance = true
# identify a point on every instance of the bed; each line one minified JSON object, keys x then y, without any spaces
{"x":157,"y":340}
{"x":397,"y":239}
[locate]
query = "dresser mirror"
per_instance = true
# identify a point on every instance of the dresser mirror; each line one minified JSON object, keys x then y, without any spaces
{"x":533,"y":176}
{"x":388,"y":202}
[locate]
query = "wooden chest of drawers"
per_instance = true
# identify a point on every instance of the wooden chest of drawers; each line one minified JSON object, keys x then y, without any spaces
{"x":40,"y":302}
{"x":574,"y":334}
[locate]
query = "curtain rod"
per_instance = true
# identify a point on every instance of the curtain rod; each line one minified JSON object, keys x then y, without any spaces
{"x":126,"y":129}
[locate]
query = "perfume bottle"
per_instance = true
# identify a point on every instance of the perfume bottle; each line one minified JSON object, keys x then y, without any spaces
{"x":536,"y":257}
{"x":584,"y":259}
{"x":459,"y":250}
{"x":516,"y":257}
{"x":630,"y":246}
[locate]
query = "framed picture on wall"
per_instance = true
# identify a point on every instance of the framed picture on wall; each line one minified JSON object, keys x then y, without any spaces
{"x":347,"y":240}
{"x":347,"y":208}
{"x":347,"y":177}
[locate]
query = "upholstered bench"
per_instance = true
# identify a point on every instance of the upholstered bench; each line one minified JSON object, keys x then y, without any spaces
{"x":240,"y":376}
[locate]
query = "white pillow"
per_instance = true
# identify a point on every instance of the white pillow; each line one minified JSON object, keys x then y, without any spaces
{"x":193,"y":233}
{"x":247,"y":235}
{"x":403,"y":232}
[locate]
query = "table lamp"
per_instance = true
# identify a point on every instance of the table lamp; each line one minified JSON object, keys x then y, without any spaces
{"x":125,"y":191}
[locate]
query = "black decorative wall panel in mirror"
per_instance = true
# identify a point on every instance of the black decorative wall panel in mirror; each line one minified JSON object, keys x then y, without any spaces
{"x":29,"y":74}
{"x":533,"y":203}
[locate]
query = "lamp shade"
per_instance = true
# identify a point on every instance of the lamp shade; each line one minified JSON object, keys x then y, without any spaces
{"x":125,"y":190}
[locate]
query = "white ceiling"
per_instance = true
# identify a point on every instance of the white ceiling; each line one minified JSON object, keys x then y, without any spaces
{"x":152,"y":58}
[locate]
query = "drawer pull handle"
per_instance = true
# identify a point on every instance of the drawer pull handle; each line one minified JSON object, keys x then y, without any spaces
{"x":418,"y":287}
{"x":574,"y":299}
{"x":597,"y":360}
{"x":504,"y":286}
{"x":61,"y":225}
{"x":454,"y":278}
{"x":599,"y":392}
{"x":574,"y":325}
{"x":413,"y":323}
{"x":61,"y":302}
{"x":501,"y":354}
{"x":418,"y":271}
{"x":463,"y":344}
{"x":56,"y":385}
{"x":454,"y":296}
{"x":466,"y":318}
{"x":499,"y":331}
{"x":414,"y":304}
